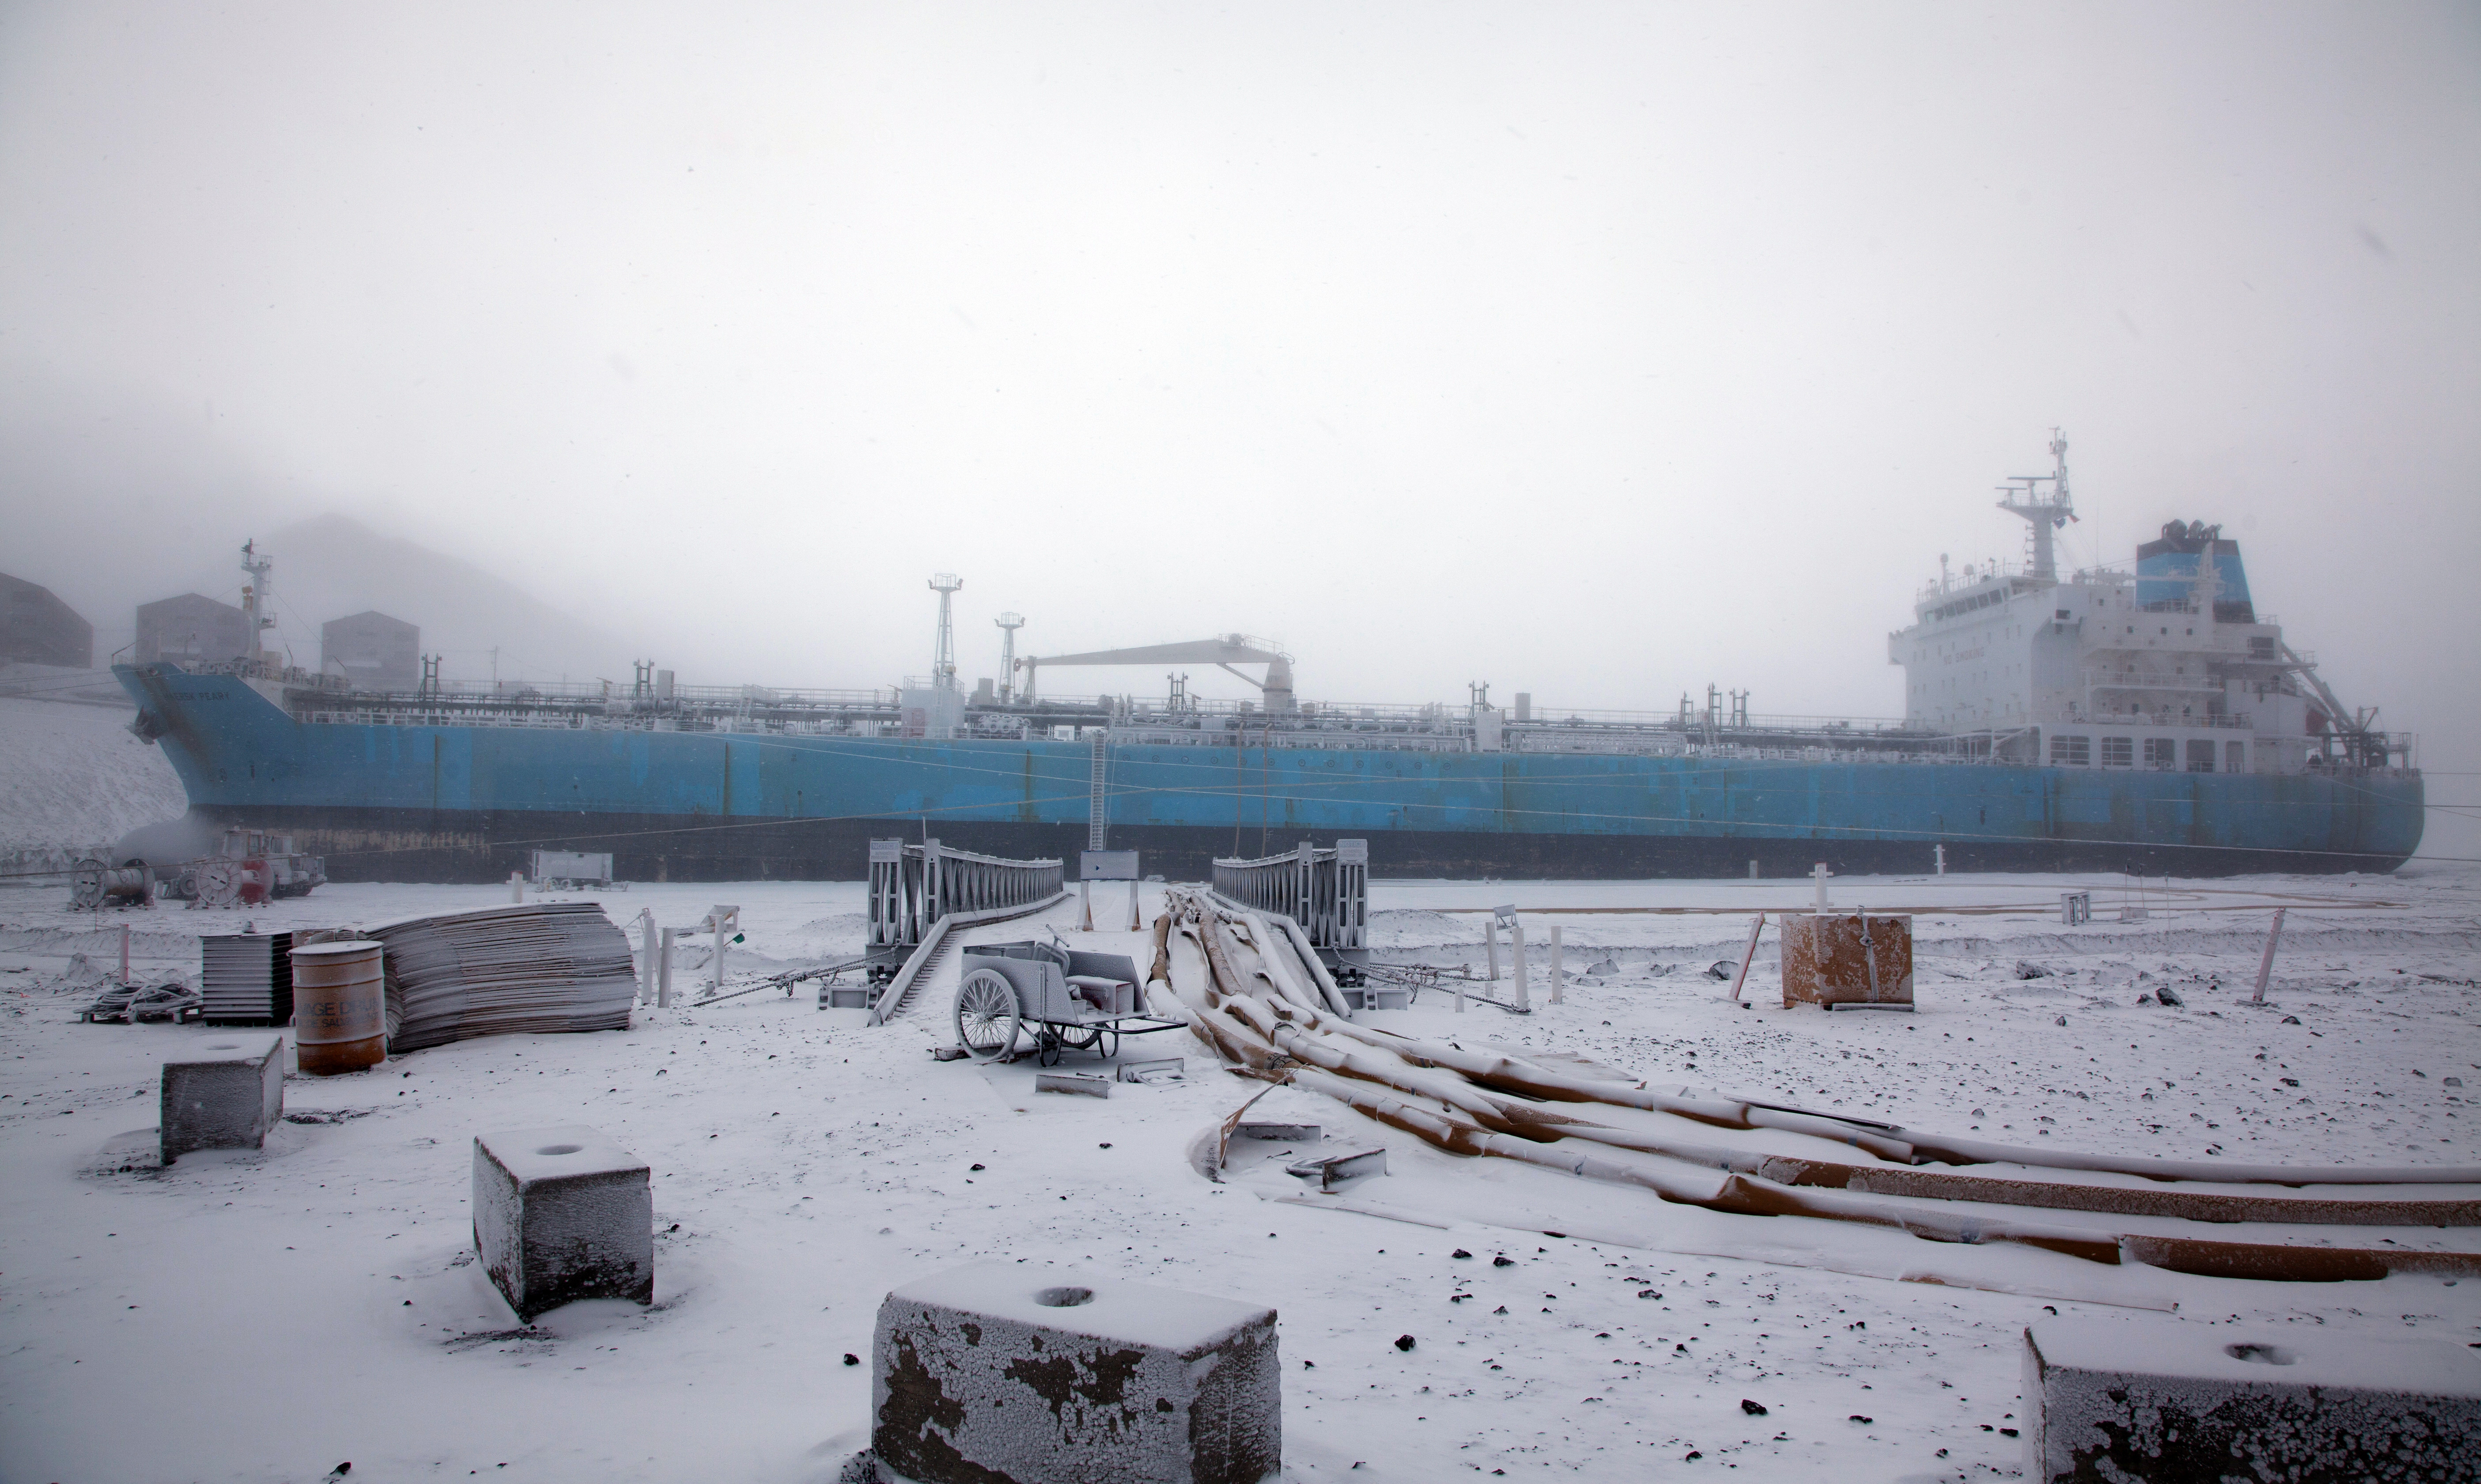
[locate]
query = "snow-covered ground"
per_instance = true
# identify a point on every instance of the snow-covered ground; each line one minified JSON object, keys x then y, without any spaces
{"x":72,"y":775}
{"x":270,"y":1316}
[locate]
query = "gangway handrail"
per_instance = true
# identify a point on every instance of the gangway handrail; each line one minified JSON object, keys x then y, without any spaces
{"x":913,"y":886}
{"x":1324,"y":889}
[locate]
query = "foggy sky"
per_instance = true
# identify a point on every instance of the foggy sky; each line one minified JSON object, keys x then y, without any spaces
{"x":1593,"y":351}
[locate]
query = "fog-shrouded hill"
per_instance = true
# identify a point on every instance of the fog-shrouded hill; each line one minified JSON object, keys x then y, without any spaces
{"x":330,"y":566}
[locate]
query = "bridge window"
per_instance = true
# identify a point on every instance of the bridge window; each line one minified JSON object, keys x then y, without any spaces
{"x":2071,"y":752}
{"x":2235,"y":757}
{"x":2200,"y":755}
{"x":2161,"y":752}
{"x":2118,"y":752}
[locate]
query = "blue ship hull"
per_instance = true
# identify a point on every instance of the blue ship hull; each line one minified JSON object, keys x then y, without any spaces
{"x":469,"y":802}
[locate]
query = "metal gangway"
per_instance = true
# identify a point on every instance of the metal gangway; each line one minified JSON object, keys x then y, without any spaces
{"x":1325,"y":890}
{"x":920,"y":893}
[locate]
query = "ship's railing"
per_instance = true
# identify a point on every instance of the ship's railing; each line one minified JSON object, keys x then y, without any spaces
{"x":594,"y":693}
{"x":913,"y":886}
{"x":1326,"y":891}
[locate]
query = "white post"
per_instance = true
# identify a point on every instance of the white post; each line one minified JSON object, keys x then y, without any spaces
{"x":124,"y":952}
{"x":1753,"y":871}
{"x":1516,"y":952}
{"x":1490,"y":945}
{"x":715,"y":975}
{"x":1747,"y":957}
{"x":1820,"y":873}
{"x":1558,"y":968}
{"x":1086,"y":903}
{"x":1460,"y":996}
{"x":664,"y":969}
{"x":1940,"y":852}
{"x":2266,"y":965}
{"x":647,"y":939}
{"x":517,"y":886}
{"x":1136,"y":922}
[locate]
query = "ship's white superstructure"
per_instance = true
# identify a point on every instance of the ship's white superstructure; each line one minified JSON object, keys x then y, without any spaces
{"x":2168,"y":667}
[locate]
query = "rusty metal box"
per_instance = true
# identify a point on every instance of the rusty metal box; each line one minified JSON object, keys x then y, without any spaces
{"x":1840,"y":958}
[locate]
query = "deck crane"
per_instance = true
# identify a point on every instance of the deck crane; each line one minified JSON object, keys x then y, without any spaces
{"x":1224,"y":650}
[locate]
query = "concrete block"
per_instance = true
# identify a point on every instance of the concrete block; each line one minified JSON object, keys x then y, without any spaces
{"x":563,"y":1214}
{"x":1079,"y":1083}
{"x":2162,"y":1398}
{"x":1005,"y":1372}
{"x":224,"y":1092}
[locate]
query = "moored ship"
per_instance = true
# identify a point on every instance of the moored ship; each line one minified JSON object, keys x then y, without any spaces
{"x":2144,"y":720}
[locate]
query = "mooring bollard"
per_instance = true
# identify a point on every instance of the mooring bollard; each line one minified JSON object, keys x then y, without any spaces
{"x":225,"y":1094}
{"x":2160,"y":1398}
{"x":996,"y":1373}
{"x":563,"y":1214}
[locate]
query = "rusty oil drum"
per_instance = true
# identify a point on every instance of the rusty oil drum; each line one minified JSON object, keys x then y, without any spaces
{"x":339,"y":1007}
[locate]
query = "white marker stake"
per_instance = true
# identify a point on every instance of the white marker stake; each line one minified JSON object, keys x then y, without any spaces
{"x":2266,"y":965}
{"x":1558,"y":968}
{"x":124,"y":952}
{"x":1747,"y":957}
{"x":664,"y":969}
{"x":1516,"y":951}
{"x":1820,"y":873}
{"x":1490,"y":946}
{"x":517,"y":886}
{"x":646,"y":938}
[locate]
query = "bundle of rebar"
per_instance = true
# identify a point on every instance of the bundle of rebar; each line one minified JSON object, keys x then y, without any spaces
{"x":1249,"y":997}
{"x":532,"y":969}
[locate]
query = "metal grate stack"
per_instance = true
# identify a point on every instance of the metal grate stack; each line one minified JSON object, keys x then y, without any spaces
{"x":542,"y":967}
{"x":247,"y":979}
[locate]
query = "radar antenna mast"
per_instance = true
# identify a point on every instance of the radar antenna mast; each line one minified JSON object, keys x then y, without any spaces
{"x":2044,"y":511}
{"x":943,"y":659}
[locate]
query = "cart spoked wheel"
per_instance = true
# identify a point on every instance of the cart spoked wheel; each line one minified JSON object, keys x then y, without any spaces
{"x":986,"y":1015}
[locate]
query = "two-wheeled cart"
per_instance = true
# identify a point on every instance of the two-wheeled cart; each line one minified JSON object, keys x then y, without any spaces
{"x":1068,"y":1001}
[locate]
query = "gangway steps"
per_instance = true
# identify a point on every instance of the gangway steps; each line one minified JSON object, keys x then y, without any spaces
{"x":939,"y":953}
{"x":924,"y":961}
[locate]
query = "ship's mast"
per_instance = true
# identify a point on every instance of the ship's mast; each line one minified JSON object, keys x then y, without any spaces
{"x":1008,"y":624}
{"x":254,"y":596}
{"x":2044,"y":511}
{"x":943,"y":660}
